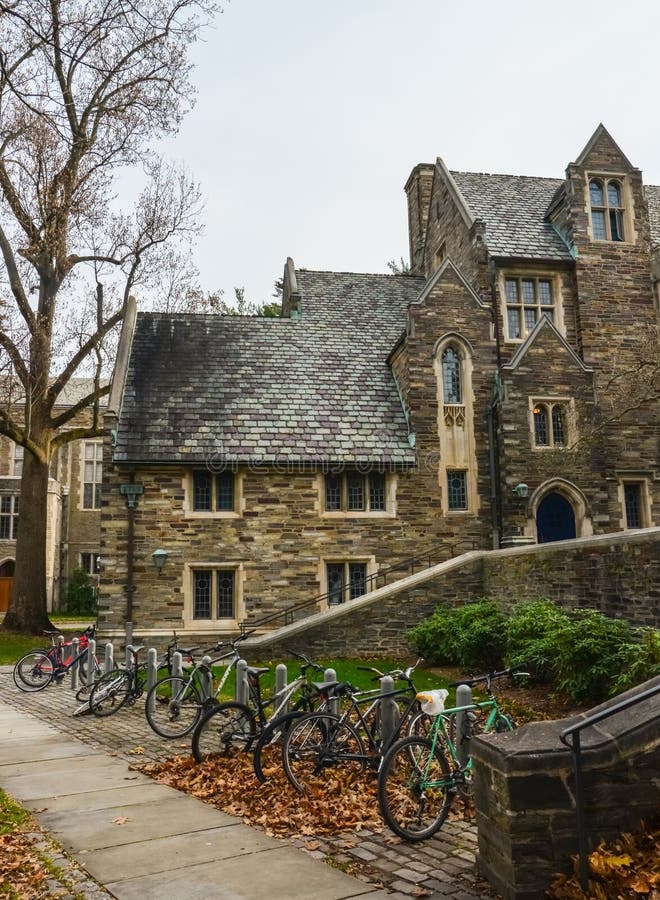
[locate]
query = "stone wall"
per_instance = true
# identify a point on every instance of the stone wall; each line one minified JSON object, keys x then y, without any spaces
{"x":616,"y":574}
{"x":524,"y":790}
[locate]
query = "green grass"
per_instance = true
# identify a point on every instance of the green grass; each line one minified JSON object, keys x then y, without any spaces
{"x":12,"y":815}
{"x":347,"y":670}
{"x":13,"y":646}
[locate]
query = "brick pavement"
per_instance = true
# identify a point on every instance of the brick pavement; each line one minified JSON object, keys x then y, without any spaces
{"x":442,"y":867}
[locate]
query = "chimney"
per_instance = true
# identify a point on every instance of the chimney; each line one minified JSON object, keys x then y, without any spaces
{"x":290,"y":293}
{"x":418,"y":191}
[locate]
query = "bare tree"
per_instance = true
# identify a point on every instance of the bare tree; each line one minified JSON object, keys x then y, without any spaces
{"x":86,"y":88}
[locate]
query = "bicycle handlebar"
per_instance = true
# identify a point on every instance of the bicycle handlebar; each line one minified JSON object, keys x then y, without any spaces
{"x":488,"y":677}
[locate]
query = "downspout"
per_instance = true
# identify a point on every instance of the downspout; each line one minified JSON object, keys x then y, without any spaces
{"x":130,"y":554}
{"x":496,"y":399}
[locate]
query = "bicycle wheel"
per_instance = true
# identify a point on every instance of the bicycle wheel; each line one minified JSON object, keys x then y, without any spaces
{"x":315,"y":743}
{"x":414,"y":788}
{"x":225,"y":728}
{"x":110,"y":693}
{"x":34,"y":671}
{"x":173,"y":707}
{"x":273,"y":734}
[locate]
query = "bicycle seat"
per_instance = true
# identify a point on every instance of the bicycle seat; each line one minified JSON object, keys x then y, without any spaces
{"x":333,"y":688}
{"x":132,"y":649}
{"x":251,"y":670}
{"x":51,"y":632}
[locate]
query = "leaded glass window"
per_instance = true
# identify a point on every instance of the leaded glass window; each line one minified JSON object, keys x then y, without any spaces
{"x":202,"y":594}
{"x":451,"y":376}
{"x":376,"y":491}
{"x":527,"y":299}
{"x":607,"y":210}
{"x":9,"y":504}
{"x":213,"y":494}
{"x":550,"y":423}
{"x":457,"y":489}
{"x":225,"y":593}
{"x":92,"y":473}
{"x":346,"y":581}
{"x":632,"y":493}
{"x":214,"y":594}
{"x":355,"y":492}
{"x":335,"y":572}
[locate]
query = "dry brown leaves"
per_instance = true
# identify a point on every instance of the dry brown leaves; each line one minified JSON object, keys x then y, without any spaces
{"x":22,"y":872}
{"x":337,"y":802}
{"x":626,"y":868}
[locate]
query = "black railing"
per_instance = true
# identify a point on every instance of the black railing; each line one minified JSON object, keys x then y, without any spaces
{"x":436,"y":554}
{"x":575,"y":746}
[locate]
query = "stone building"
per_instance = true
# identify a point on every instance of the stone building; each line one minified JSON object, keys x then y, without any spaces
{"x":74,"y":506}
{"x":500,"y":393}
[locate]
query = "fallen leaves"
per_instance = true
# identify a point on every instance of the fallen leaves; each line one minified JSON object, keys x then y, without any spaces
{"x":121,"y":820}
{"x":626,"y":869}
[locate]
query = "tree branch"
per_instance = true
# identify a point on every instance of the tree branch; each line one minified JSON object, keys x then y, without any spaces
{"x":71,"y":412}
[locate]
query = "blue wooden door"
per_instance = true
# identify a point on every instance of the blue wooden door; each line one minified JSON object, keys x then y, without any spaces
{"x":555,"y":519}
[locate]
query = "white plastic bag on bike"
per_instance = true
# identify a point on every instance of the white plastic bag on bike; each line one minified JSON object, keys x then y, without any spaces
{"x":433,"y":702}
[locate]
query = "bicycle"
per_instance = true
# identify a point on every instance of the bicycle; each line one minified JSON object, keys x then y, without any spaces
{"x":124,"y":686}
{"x":37,"y":669}
{"x":420,"y":776}
{"x":235,"y":725}
{"x":323,"y":739}
{"x":174,"y":705}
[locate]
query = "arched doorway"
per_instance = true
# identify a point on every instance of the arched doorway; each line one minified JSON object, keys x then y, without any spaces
{"x":555,"y":519}
{"x":6,"y":581}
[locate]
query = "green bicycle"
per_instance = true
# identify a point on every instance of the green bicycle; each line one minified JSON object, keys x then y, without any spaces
{"x":420,"y":776}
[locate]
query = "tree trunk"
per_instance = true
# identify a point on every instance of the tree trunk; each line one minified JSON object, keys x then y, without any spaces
{"x":27,"y":609}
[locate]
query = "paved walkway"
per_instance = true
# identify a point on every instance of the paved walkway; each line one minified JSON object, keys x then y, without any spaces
{"x":139,"y":838}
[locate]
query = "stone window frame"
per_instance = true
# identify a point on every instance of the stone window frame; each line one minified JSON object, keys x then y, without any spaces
{"x":456,"y":424}
{"x":90,"y":561}
{"x":97,"y":480}
{"x":626,"y":210}
{"x":214,"y":624}
{"x":536,"y":275}
{"x":452,"y":510}
{"x":9,"y":517}
{"x":339,"y":559}
{"x":344,"y":513}
{"x":17,"y":458}
{"x":188,"y":492}
{"x":551,"y":401}
{"x":641,"y":481}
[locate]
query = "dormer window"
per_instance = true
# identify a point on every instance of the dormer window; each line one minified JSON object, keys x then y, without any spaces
{"x":605,"y":198}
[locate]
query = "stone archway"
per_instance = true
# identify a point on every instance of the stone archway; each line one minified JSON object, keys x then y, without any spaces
{"x":559,"y":511}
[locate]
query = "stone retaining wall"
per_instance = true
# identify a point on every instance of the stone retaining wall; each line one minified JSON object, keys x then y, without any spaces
{"x":524,"y":792}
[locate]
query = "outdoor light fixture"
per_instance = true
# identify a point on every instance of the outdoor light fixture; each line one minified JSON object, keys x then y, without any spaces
{"x":521,"y":490}
{"x":159,"y":558}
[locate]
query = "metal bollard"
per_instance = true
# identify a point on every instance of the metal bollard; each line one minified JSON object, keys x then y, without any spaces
{"x":462,"y":738}
{"x":74,"y":667}
{"x":206,"y":678}
{"x":241,"y":692}
{"x":109,"y":659}
{"x":152,"y":673}
{"x":177,"y":671}
{"x":129,"y":641}
{"x":388,"y":711}
{"x":91,"y":655}
{"x":328,"y":676}
{"x":281,"y":676}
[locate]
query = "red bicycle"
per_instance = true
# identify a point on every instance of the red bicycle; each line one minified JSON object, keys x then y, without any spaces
{"x":38,"y":668}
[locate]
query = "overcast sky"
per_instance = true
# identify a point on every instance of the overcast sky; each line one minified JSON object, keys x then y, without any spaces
{"x":311,"y":114}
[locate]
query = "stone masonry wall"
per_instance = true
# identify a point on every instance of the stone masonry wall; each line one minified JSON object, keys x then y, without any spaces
{"x":524,"y":791}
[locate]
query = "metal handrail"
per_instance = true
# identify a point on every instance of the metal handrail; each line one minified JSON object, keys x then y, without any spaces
{"x":573,"y":732}
{"x":429,"y":557}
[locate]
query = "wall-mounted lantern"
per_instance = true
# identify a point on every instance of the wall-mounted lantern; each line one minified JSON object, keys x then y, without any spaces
{"x":521,"y":491}
{"x":159,"y":558}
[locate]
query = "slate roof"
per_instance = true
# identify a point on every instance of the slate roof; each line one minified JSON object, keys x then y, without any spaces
{"x":216,"y":388}
{"x":513,"y":209}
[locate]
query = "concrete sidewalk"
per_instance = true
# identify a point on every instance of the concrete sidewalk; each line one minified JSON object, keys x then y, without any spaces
{"x":141,"y":839}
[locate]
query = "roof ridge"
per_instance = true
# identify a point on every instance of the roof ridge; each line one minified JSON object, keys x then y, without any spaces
{"x":508,"y":175}
{"x":366,"y":274}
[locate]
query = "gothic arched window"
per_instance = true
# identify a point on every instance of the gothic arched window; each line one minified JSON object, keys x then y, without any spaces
{"x":451,"y":376}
